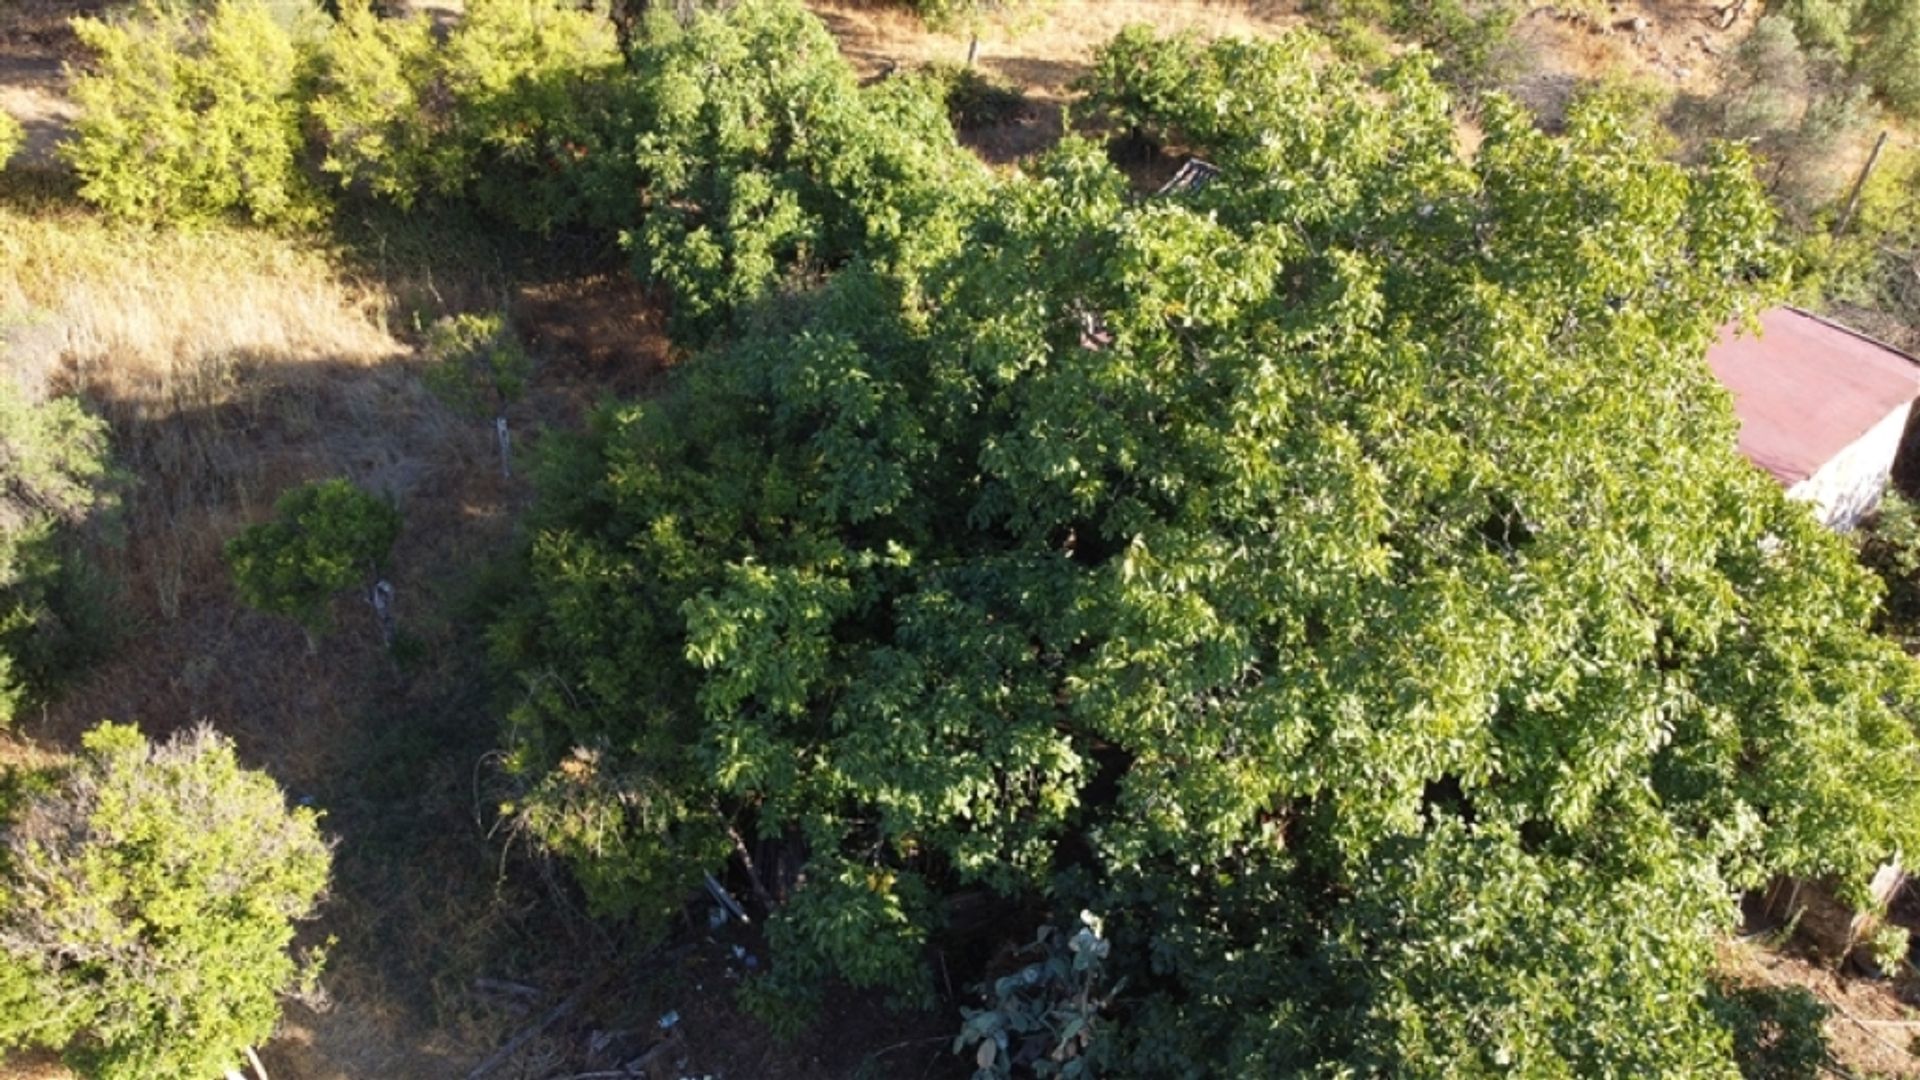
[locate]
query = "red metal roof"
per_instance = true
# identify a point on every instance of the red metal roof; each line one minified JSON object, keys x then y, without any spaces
{"x":1806,"y":388}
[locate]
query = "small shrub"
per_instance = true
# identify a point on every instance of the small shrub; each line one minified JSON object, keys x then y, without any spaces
{"x":184,"y":117}
{"x":476,"y":364}
{"x":11,"y":136}
{"x":1890,"y":947}
{"x":1359,"y":42}
{"x":951,"y":14}
{"x":1472,"y":38}
{"x":1044,"y":1018}
{"x":325,"y":537}
{"x":147,"y":905}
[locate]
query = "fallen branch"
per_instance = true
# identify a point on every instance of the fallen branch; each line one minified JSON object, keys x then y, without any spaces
{"x":1724,"y":17}
{"x":501,"y":986}
{"x":719,"y":893}
{"x":527,"y":1034}
{"x":253,"y":1059}
{"x":753,"y":876}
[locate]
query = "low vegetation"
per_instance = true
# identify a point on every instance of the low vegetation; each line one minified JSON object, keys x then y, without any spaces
{"x":11,"y":136}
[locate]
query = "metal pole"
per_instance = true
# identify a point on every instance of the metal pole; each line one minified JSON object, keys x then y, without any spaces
{"x":1859,"y":185}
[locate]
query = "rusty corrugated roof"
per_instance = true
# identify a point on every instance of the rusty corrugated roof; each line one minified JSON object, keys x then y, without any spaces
{"x":1806,"y":388}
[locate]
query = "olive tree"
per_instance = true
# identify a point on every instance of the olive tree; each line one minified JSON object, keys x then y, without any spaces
{"x":1341,"y":580}
{"x":148,"y":896}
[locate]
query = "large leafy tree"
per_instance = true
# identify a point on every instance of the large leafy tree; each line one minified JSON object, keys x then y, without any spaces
{"x":1341,"y":577}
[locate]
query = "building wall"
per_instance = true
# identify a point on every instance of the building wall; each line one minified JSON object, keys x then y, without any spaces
{"x":1848,"y":487}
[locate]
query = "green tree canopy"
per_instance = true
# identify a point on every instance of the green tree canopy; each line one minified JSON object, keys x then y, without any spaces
{"x":784,"y":165}
{"x":1878,"y":39}
{"x":325,"y":537}
{"x":148,"y":896}
{"x":1341,"y":578}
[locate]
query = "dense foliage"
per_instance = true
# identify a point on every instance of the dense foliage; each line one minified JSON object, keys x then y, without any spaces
{"x":1336,"y":577}
{"x":516,"y":110}
{"x":185,"y":115}
{"x":1878,"y":39}
{"x":325,"y":537}
{"x":783,"y":165}
{"x":54,"y":476}
{"x":148,"y":896}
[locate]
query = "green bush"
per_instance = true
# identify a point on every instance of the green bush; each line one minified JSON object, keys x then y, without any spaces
{"x":519,"y":110}
{"x":476,"y":364}
{"x":1341,"y":577}
{"x":57,"y":477}
{"x":187,"y":116}
{"x":383,"y":111}
{"x":148,"y":897}
{"x":951,"y":14}
{"x":1473,"y":39}
{"x":12,"y":135}
{"x":1878,"y":40}
{"x":325,"y":537}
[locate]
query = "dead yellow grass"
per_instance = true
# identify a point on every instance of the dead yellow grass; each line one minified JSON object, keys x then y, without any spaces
{"x":181,"y":339}
{"x":132,"y":311}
